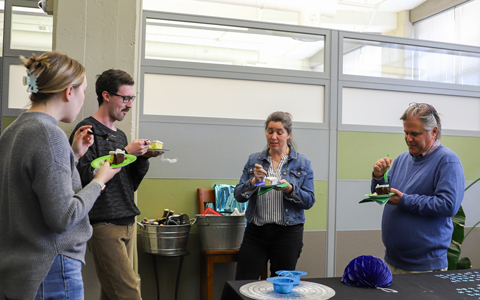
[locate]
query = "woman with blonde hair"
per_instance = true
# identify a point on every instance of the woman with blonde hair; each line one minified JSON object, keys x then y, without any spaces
{"x":43,"y":208}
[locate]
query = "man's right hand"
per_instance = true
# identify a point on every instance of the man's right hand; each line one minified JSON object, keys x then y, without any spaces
{"x":380,"y":167}
{"x":138,"y":147}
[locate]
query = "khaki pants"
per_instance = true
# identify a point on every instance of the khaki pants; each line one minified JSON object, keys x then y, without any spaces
{"x":402,"y":271}
{"x":112,"y":249}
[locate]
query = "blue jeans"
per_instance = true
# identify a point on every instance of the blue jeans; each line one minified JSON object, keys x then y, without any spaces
{"x":63,"y":282}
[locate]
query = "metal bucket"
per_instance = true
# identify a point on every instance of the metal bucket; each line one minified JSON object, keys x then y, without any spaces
{"x":221,"y":232}
{"x":165,"y":240}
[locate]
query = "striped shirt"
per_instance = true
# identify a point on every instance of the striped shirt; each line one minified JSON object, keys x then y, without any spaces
{"x":270,"y":205}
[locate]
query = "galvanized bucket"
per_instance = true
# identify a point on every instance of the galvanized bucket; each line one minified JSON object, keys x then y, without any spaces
{"x":165,"y":240}
{"x":221,"y":232}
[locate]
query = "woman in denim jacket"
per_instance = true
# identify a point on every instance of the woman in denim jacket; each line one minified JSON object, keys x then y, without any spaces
{"x":275,"y":219}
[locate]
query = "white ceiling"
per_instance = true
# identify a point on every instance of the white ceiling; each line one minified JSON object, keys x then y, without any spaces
{"x":380,"y":5}
{"x":373,"y":16}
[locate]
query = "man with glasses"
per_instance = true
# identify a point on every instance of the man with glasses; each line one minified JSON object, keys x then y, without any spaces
{"x":113,"y":215}
{"x":428,"y":184}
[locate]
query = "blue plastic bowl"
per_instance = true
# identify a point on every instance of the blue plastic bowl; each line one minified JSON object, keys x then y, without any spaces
{"x":295,"y":275}
{"x":281,"y":285}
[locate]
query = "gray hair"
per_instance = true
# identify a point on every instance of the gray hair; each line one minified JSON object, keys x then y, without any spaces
{"x":287,"y":120}
{"x":427,"y":114}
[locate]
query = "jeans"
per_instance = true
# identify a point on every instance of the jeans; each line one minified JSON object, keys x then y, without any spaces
{"x":63,"y":282}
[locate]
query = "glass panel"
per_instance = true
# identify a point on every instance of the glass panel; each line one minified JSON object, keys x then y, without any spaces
{"x":32,"y":29}
{"x":17,"y":92}
{"x":242,"y":11}
{"x":388,"y":60}
{"x":459,"y":25}
{"x":195,"y":42}
{"x":440,"y":27}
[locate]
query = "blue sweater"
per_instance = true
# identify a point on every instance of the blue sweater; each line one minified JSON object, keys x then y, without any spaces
{"x":418,"y":231}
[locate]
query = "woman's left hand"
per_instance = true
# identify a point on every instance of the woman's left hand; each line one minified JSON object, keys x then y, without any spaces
{"x":288,"y":189}
{"x":82,"y":141}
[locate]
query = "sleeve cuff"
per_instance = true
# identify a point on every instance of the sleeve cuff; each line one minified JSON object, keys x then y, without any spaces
{"x":376,"y":178}
{"x":247,"y":187}
{"x":101,"y":183}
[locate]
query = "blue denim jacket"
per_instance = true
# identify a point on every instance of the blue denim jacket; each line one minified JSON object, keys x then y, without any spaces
{"x":297,"y":171}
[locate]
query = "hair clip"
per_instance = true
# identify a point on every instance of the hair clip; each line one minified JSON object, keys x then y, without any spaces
{"x":31,"y":81}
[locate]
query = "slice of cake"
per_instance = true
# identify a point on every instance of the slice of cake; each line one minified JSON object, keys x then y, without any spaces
{"x":156,"y":145}
{"x":116,"y":157}
{"x":382,"y":189}
{"x":271,"y":180}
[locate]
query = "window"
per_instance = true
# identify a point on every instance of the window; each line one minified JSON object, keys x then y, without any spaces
{"x":229,"y":45}
{"x":390,"y":60}
{"x":459,"y":25}
{"x":32,"y":29}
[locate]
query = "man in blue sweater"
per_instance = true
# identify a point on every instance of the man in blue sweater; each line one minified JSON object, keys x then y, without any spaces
{"x":428,"y":182}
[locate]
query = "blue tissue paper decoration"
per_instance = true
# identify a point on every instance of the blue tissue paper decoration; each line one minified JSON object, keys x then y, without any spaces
{"x":367,"y":271}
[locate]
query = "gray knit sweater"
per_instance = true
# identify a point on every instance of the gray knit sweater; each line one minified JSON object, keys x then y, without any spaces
{"x":43,"y":209}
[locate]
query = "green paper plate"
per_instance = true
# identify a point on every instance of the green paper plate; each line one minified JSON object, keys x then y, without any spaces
{"x":375,"y":196}
{"x":264,"y":189}
{"x":97,"y":163}
{"x":381,"y":201}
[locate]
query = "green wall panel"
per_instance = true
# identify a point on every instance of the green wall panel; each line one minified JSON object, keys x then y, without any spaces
{"x":316,"y":217}
{"x":467,"y":148}
{"x":7,"y":121}
{"x":154,"y":195}
{"x":358,"y":151}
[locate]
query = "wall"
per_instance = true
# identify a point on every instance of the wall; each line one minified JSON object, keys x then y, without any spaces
{"x":77,"y":34}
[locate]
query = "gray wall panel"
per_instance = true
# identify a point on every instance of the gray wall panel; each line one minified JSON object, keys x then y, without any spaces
{"x":471,"y":204}
{"x":351,"y":244}
{"x":354,"y":216}
{"x":207,"y":151}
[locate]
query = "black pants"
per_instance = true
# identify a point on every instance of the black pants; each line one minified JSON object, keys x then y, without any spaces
{"x":281,"y":245}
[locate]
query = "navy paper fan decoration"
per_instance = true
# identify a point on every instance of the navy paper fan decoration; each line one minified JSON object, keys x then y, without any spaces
{"x":367,"y":271}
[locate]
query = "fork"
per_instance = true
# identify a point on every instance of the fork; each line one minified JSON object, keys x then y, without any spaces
{"x":106,"y":136}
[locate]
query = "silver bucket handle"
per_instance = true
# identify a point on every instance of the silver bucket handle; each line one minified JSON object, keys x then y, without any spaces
{"x":192,"y":221}
{"x":141,"y":225}
{"x":206,"y":219}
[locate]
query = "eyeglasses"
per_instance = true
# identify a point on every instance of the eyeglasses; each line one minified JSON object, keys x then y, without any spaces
{"x":419,"y":105}
{"x":125,"y":99}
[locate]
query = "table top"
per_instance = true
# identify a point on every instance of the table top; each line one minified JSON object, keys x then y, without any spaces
{"x":447,"y":285}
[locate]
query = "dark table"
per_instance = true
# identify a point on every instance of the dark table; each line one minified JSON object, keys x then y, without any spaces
{"x":447,"y":285}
